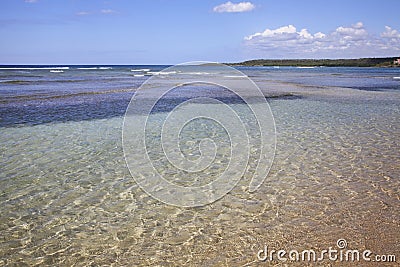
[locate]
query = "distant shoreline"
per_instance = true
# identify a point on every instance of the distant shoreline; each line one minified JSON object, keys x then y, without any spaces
{"x":388,"y":62}
{"x":384,"y":62}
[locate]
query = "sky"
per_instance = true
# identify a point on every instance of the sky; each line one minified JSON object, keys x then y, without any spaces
{"x":177,"y":31}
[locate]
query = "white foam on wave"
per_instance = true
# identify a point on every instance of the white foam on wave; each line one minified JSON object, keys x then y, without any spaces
{"x":94,"y":68}
{"x":161,"y":72}
{"x":56,"y":71}
{"x":305,"y":67}
{"x":139,"y":75}
{"x":196,"y":73}
{"x":154,"y":72}
{"x":140,"y":70}
{"x":176,"y":72}
{"x":167,"y":72}
{"x":235,"y":76}
{"x":396,"y":78}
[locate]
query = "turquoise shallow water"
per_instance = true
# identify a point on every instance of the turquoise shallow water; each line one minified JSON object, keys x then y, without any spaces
{"x":67,"y":197}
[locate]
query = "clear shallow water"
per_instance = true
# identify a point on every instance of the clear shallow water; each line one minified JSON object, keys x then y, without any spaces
{"x":67,"y":197}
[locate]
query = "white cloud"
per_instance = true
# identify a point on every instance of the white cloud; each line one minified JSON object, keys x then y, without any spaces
{"x":108,"y":11}
{"x":353,"y":41}
{"x":282,"y":33}
{"x":390,"y":33}
{"x":31,"y":1}
{"x":83,"y":13}
{"x":356,"y":31}
{"x":231,"y":7}
{"x":103,"y":11}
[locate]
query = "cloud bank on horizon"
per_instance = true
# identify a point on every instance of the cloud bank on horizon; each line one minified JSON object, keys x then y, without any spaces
{"x":344,"y":42}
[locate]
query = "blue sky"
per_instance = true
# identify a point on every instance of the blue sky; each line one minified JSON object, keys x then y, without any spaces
{"x":170,"y":32}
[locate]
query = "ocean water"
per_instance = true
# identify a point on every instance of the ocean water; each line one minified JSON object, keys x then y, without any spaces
{"x":67,"y":197}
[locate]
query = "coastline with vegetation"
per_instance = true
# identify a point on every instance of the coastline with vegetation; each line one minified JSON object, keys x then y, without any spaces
{"x":360,"y":62}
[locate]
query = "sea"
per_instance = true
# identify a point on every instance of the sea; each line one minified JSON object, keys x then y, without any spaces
{"x":69,"y":198}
